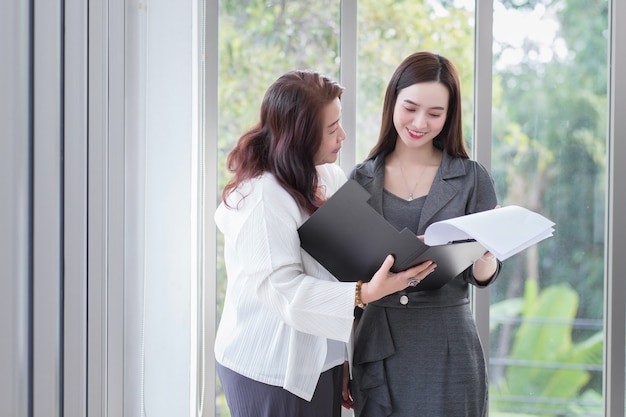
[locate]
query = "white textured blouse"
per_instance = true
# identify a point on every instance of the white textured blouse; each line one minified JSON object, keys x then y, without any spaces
{"x":286,"y":319}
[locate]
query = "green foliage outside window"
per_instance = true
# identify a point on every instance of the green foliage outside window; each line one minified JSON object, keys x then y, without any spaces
{"x":548,"y":371}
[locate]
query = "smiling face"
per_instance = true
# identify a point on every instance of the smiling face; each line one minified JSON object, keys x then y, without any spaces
{"x":420,"y":113}
{"x":333,"y":134}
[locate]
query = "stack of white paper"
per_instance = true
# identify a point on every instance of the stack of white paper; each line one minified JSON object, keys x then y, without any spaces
{"x":503,"y":231}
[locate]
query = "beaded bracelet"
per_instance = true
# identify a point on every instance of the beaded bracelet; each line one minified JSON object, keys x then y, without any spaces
{"x":357,"y":295}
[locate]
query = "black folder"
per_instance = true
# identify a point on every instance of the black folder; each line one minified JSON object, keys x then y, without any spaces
{"x":351,"y":240}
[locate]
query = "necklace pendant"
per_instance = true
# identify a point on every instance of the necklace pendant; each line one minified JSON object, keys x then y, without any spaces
{"x":410,"y":197}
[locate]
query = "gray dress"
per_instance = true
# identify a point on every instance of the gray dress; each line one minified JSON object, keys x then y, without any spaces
{"x":423,"y":358}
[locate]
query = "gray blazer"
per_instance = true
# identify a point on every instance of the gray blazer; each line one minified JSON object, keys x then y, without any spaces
{"x":461,"y":186}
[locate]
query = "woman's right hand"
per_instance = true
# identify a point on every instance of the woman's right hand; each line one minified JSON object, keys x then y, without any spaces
{"x":385,"y":282}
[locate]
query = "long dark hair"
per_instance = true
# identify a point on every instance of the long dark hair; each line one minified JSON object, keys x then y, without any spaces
{"x":286,"y":138}
{"x":418,"y":68}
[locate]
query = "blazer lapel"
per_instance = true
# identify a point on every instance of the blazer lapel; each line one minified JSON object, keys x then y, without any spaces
{"x":374,"y":171}
{"x":441,"y":191}
{"x":440,"y":194}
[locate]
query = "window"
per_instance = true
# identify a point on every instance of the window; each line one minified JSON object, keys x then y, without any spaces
{"x":549,"y":154}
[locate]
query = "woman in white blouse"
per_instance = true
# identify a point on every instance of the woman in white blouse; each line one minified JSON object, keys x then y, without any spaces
{"x":287,"y":323}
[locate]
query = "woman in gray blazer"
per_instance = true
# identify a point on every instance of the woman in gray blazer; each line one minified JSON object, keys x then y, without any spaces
{"x":417,"y":353}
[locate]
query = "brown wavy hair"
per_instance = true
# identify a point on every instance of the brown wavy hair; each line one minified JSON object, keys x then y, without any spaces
{"x":422,"y":67}
{"x":287,"y":136}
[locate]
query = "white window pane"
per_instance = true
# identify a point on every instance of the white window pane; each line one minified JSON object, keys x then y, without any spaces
{"x":549,"y":155}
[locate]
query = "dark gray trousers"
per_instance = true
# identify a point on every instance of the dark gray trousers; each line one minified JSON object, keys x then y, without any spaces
{"x":250,"y":398}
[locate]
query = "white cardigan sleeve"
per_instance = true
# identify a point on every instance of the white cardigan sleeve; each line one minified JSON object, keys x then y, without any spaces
{"x":287,"y":279}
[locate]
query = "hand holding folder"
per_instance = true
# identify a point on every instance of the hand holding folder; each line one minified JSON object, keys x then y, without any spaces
{"x":351,"y":240}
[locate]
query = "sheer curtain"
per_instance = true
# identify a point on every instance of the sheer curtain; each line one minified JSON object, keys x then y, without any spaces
{"x":161,"y":207}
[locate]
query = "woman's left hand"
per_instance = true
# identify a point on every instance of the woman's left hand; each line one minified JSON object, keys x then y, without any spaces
{"x":346,"y":394}
{"x":485,"y":267}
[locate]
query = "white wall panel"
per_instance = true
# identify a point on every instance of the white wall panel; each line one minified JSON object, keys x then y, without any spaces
{"x":15,"y":208}
{"x":47,"y":208}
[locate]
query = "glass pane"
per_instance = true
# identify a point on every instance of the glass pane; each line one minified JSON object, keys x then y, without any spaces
{"x":388,"y":31}
{"x":549,"y":155}
{"x":159,"y":213}
{"x":258,"y":41}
